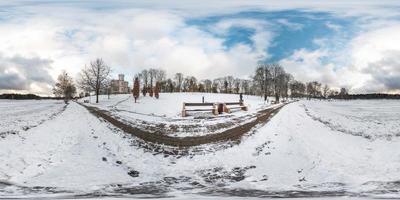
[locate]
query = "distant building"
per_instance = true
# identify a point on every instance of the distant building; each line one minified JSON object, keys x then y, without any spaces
{"x":119,"y":86}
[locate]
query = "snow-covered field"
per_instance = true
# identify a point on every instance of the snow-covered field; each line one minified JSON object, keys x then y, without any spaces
{"x":169,"y":105}
{"x":150,"y":113}
{"x":20,"y":115}
{"x":296,"y":154}
{"x":370,"y":119}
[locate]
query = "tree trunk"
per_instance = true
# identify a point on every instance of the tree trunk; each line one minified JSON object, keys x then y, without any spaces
{"x":97,"y":96}
{"x":276,"y":98}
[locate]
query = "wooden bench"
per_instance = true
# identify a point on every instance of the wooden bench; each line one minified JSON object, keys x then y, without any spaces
{"x":212,"y":107}
{"x":228,"y":106}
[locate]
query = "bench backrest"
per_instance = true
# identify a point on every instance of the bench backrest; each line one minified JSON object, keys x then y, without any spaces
{"x":198,"y":104}
{"x":232,"y":103}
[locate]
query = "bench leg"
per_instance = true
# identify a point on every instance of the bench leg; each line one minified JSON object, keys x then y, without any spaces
{"x":215,"y":111}
{"x":226,"y":109}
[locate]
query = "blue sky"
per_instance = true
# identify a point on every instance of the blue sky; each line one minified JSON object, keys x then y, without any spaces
{"x":343,"y":43}
{"x":301,"y":30}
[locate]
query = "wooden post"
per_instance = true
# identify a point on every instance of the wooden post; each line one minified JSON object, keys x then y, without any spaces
{"x":226,"y":109}
{"x":215,"y":109}
{"x":183,"y":110}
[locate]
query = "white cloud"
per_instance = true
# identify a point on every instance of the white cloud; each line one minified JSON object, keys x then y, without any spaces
{"x":24,"y":74}
{"x":129,"y":41}
{"x":375,"y":54}
{"x":333,"y":26}
{"x":132,"y":36}
{"x":291,"y":25}
{"x":372,"y":62}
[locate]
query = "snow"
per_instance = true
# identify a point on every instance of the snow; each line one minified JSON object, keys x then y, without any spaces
{"x":20,"y":115}
{"x":294,"y":153}
{"x":370,"y":119}
{"x":149,"y":112}
{"x":170,"y":104}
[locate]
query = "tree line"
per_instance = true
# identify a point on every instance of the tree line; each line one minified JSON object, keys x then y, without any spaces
{"x":268,"y":80}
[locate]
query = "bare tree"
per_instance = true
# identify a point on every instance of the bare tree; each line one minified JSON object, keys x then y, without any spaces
{"x":152,"y":76}
{"x":326,"y":91}
{"x":285,"y":79}
{"x":190,"y":84}
{"x":170,"y":86}
{"x":297,"y":89}
{"x":259,"y":80}
{"x":215,"y":86}
{"x":263,"y":79}
{"x":278,"y":80}
{"x":64,"y":87}
{"x":245,"y":86}
{"x":343,"y":93}
{"x":207,"y":85}
{"x":179,"y":81}
{"x":237,"y":84}
{"x":144,"y":75}
{"x":160,"y":75}
{"x":314,"y":89}
{"x":95,"y":77}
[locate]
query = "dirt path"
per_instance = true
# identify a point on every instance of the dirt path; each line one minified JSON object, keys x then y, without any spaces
{"x":234,"y":133}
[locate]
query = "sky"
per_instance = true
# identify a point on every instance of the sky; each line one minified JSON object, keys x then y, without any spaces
{"x":353,"y":44}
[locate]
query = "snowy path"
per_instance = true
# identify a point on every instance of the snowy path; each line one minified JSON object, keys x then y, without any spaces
{"x":292,"y":156}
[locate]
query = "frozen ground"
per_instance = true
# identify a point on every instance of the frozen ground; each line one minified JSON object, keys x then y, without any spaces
{"x":164,"y":114}
{"x":295,"y":155}
{"x":169,"y":105}
{"x":21,"y":115}
{"x":370,"y":119}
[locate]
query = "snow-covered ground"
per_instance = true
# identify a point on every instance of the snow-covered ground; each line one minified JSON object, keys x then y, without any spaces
{"x":294,"y":155}
{"x":367,"y":118}
{"x":20,"y":115}
{"x":150,"y":113}
{"x":169,"y":105}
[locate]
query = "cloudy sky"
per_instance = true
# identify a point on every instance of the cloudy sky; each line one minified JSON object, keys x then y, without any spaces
{"x":353,"y":44}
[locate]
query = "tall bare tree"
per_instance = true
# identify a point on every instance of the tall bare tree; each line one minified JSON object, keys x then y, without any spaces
{"x":179,"y":81}
{"x":314,"y":89}
{"x":207,"y":85}
{"x":95,"y":76}
{"x":144,"y":75}
{"x":297,"y":89}
{"x":64,"y":87}
{"x":326,"y":91}
{"x":263,"y":79}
